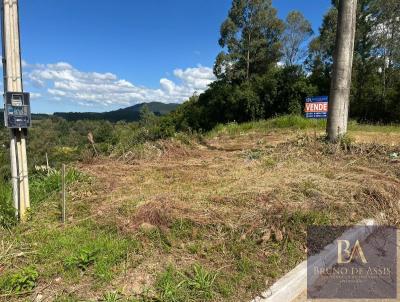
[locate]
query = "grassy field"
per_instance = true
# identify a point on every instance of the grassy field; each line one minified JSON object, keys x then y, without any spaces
{"x":212,"y":218}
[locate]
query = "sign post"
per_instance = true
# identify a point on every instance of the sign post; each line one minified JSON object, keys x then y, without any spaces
{"x":317,"y":107}
{"x":17,"y":115}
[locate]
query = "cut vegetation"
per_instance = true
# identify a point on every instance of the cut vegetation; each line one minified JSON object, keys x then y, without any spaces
{"x":207,"y":218}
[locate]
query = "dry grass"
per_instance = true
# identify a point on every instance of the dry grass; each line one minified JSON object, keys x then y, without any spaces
{"x":239,"y":205}
{"x":248,"y":187}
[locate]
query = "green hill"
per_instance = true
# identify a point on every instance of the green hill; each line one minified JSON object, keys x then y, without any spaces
{"x":129,"y":114}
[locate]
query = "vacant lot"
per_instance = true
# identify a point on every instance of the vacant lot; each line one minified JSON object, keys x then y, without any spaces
{"x":216,"y":218}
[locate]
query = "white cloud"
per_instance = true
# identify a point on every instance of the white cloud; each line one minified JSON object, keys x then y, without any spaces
{"x":196,"y":78}
{"x":63,"y":82}
{"x":35,"y":95}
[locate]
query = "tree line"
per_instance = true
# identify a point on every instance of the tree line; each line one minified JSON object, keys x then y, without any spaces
{"x":268,"y":66}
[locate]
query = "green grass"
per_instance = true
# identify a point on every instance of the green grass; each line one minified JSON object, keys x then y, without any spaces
{"x":72,"y":252}
{"x":194,"y":284}
{"x":281,"y":122}
{"x":69,"y":252}
{"x":7,"y":212}
{"x":293,"y":122}
{"x":42,"y":185}
{"x":354,"y":126}
{"x":20,"y":281}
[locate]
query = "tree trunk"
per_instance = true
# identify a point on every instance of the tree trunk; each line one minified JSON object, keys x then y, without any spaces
{"x":342,"y":68}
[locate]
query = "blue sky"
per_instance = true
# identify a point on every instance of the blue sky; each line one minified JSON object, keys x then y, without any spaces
{"x":97,"y":55}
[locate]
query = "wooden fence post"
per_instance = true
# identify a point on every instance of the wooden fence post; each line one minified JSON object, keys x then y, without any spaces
{"x":63,"y":194}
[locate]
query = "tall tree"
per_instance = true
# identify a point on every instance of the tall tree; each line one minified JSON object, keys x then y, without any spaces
{"x":297,"y":31}
{"x":251,"y":39}
{"x":385,"y":34}
{"x":147,"y":117}
{"x":342,"y":70}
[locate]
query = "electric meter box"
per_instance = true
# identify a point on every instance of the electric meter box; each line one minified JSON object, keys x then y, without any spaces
{"x":17,"y":110}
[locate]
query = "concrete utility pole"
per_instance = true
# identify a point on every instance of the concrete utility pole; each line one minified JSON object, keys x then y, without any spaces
{"x":342,"y":69}
{"x":16,"y":114}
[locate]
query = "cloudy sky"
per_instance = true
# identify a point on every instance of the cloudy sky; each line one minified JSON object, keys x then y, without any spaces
{"x":98,"y":55}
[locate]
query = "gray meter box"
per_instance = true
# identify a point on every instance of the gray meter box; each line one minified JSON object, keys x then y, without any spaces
{"x":17,"y":110}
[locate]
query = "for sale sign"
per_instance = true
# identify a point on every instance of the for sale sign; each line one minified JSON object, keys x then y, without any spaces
{"x":316,"y":107}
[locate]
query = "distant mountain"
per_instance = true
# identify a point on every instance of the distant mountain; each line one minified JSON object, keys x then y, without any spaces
{"x":129,"y":114}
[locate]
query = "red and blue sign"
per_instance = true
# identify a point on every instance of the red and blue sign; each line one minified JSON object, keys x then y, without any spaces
{"x":317,"y":107}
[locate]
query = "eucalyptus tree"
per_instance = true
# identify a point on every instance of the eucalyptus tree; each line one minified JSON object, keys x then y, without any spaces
{"x":342,"y":70}
{"x":385,"y":36}
{"x":251,"y":37}
{"x":297,"y":32}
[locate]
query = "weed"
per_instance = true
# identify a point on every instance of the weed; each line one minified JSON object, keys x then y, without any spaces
{"x":111,"y":297}
{"x":196,"y":284}
{"x":182,"y":228}
{"x":201,"y":282}
{"x":244,"y":265}
{"x":253,"y":155}
{"x":346,"y":142}
{"x":24,"y":280}
{"x":225,"y":286}
{"x":160,"y":239}
{"x":82,"y":261}
{"x":43,"y":185}
{"x":194,"y":248}
{"x":308,"y":187}
{"x":170,"y":286}
{"x":7,"y":212}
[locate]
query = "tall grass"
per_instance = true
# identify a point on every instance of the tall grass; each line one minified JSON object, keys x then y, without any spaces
{"x":294,"y":122}
{"x":7,"y":212}
{"x":281,"y":122}
{"x":41,"y":187}
{"x":354,"y":126}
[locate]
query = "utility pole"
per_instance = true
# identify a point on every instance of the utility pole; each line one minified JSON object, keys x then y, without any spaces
{"x":17,"y":106}
{"x":342,"y":68}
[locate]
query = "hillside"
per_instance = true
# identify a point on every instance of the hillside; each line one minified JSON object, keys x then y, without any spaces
{"x":213,"y":218}
{"x":129,"y":114}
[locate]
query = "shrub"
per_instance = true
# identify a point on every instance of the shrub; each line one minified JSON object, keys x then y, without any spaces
{"x":24,"y":280}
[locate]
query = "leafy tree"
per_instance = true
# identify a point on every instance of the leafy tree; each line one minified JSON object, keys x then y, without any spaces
{"x":385,"y":36}
{"x":376,"y":68}
{"x":297,"y":31}
{"x":147,"y":117}
{"x":251,"y":38}
{"x":293,"y":88}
